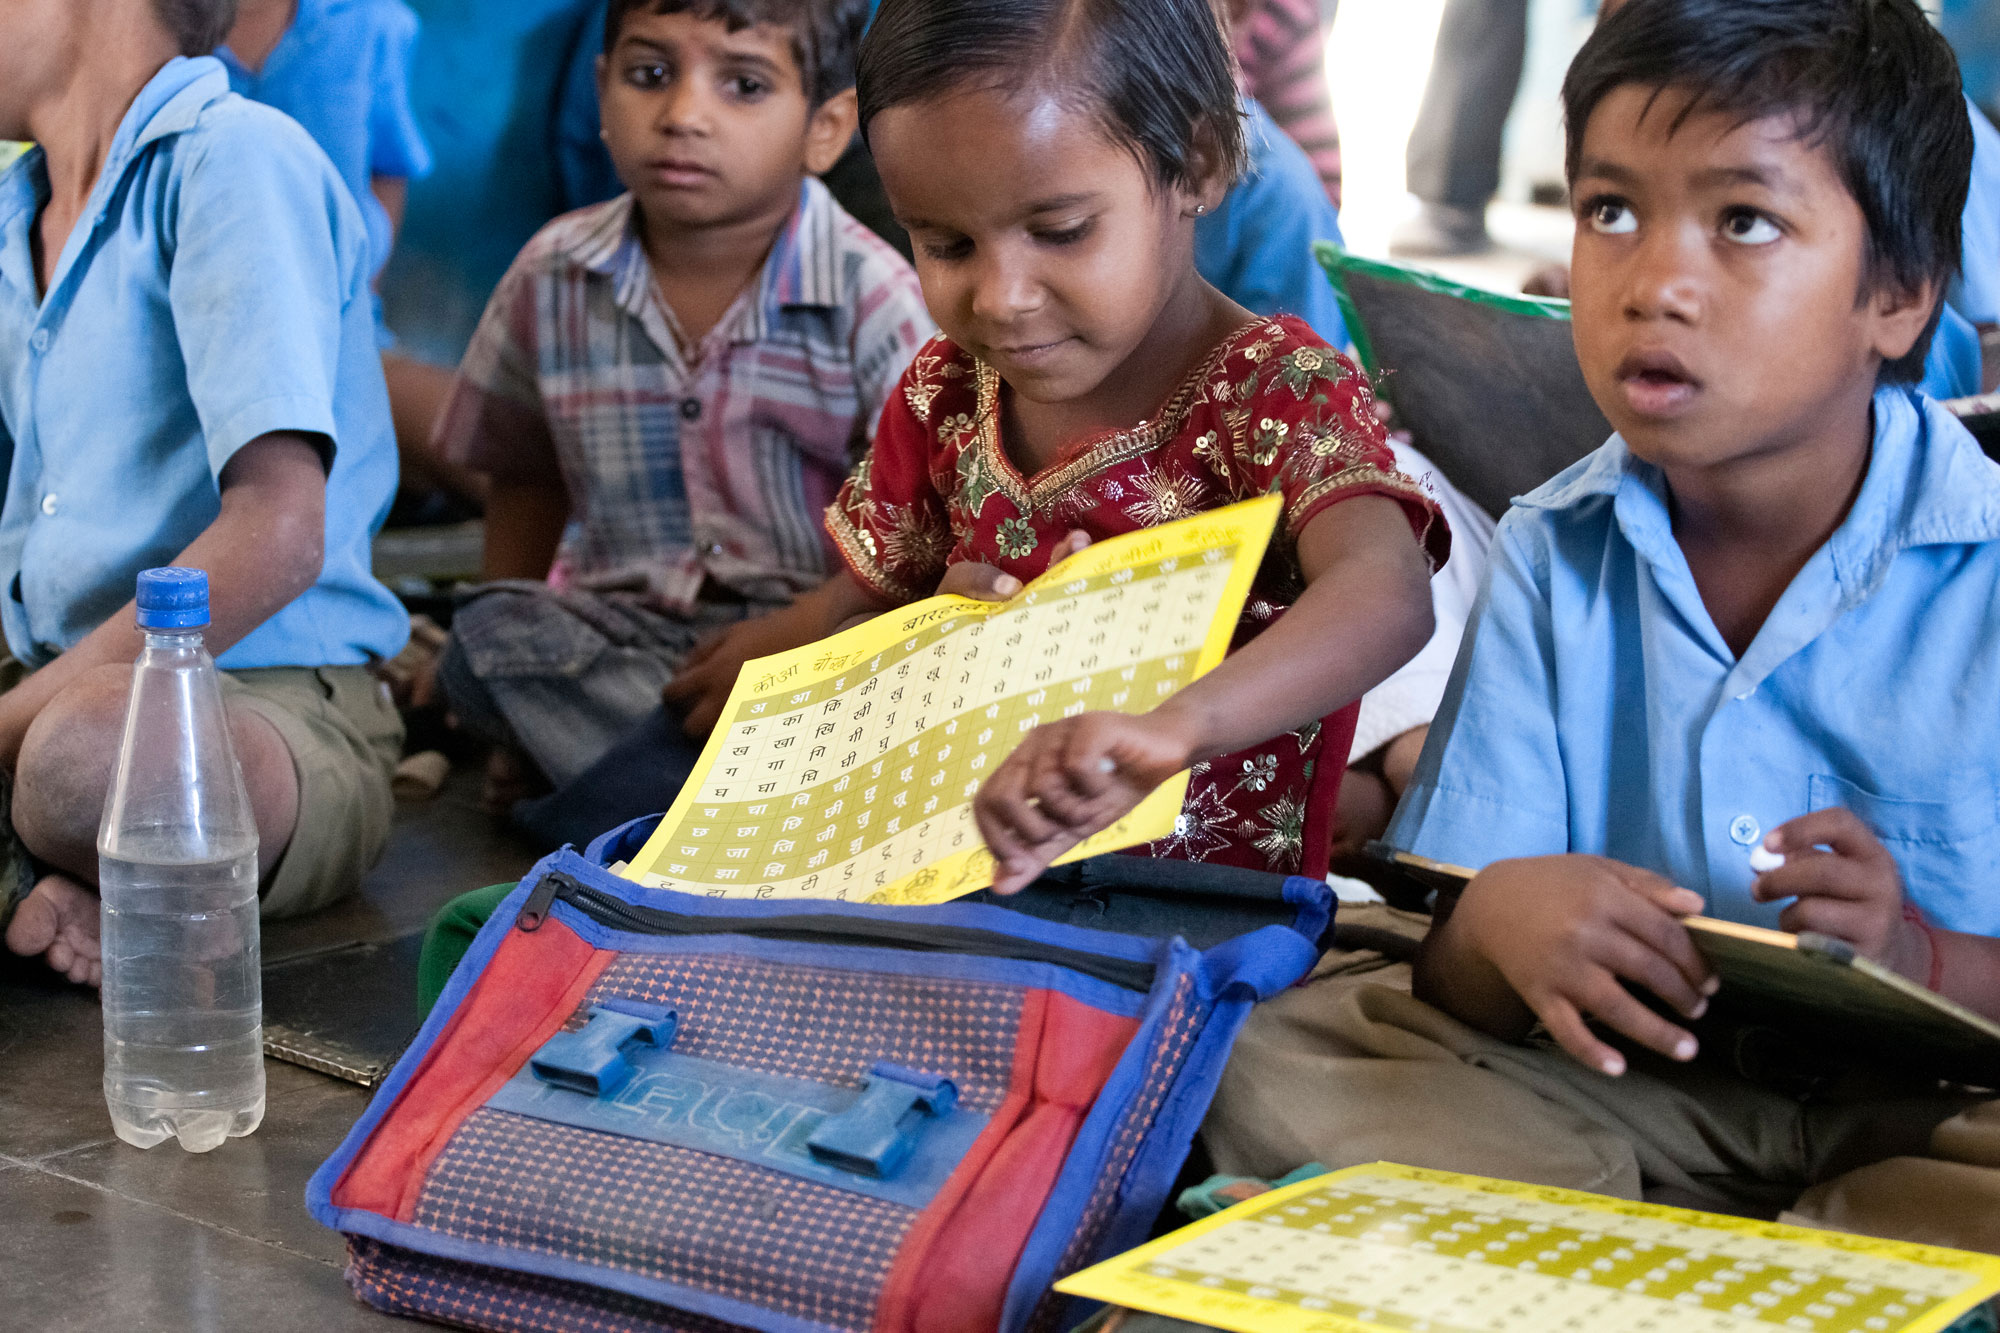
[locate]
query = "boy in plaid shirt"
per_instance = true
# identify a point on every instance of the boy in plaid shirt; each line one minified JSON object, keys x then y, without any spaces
{"x":668,"y":389}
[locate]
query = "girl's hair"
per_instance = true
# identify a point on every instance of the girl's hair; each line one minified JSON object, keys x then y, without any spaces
{"x":198,"y":25}
{"x":1156,"y":74}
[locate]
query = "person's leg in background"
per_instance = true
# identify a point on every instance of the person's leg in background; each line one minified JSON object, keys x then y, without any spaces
{"x":1453,"y":160}
{"x":417,"y":395}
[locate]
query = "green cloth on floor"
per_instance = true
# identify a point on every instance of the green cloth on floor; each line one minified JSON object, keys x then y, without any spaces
{"x":450,"y":935}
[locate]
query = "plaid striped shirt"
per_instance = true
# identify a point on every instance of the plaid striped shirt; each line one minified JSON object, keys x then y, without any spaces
{"x":714,"y":464}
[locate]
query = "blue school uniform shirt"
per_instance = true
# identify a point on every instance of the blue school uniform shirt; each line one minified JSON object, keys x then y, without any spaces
{"x":215,"y":290}
{"x":1594,"y":707}
{"x":1257,"y":248}
{"x":342,"y":70}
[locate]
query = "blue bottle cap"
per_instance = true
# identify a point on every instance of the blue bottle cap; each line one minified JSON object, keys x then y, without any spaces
{"x":173,"y":598}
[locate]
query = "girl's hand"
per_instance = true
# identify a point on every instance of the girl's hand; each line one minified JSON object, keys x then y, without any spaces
{"x":990,"y":583}
{"x":1844,"y":884}
{"x":1068,"y":780}
{"x":1566,"y":934}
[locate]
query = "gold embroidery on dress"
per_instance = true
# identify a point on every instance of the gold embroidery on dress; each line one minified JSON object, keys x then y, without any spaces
{"x":953,"y":430}
{"x":1107,"y":452}
{"x":857,"y":546}
{"x":923,"y":388}
{"x":910,"y":543}
{"x":1164,"y":494}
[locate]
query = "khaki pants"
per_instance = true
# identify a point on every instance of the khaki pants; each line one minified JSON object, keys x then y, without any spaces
{"x":1349,"y":1069}
{"x":345,"y":738}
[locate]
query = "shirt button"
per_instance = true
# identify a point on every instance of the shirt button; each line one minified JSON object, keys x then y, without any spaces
{"x":1744,"y":831}
{"x":715,"y":548}
{"x":691,"y":409}
{"x":40,"y":342}
{"x":50,"y":504}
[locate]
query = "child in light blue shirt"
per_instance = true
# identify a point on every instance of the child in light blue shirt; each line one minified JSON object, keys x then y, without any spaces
{"x":341,"y":68}
{"x":1742,"y":661}
{"x":191,"y":377}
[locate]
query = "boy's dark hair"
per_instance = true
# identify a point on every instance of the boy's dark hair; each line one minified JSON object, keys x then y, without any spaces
{"x":1156,"y":74}
{"x":825,"y":33}
{"x":1871,"y":81}
{"x":198,"y":25}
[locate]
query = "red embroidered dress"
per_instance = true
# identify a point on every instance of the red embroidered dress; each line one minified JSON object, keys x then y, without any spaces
{"x":1272,"y":409}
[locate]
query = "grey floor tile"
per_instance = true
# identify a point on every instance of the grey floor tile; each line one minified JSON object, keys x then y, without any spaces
{"x":84,"y":1261}
{"x":51,"y":1064}
{"x":253,"y":1186}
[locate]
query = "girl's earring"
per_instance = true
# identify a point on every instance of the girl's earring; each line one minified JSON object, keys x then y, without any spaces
{"x":604,"y":135}
{"x":1200,"y":209}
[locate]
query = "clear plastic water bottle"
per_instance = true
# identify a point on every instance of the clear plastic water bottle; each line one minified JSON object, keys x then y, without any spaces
{"x":177,"y":870}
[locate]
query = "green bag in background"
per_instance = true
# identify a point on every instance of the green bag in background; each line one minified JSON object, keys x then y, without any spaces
{"x":1487,"y":384}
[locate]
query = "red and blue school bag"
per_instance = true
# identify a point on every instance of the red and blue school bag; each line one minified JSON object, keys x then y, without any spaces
{"x":637,"y":1109}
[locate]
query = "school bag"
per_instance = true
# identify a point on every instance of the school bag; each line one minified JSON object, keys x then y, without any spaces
{"x":638,"y":1109}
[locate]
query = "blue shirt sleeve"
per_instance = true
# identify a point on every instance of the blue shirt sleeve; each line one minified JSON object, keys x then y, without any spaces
{"x":269,"y":251}
{"x":396,"y":143}
{"x":1490,"y":784}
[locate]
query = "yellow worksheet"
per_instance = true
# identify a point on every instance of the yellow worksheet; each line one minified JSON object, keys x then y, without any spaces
{"x":1388,"y":1247}
{"x":847,"y":769}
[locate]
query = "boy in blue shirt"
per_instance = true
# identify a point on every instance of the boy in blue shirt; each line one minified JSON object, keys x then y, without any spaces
{"x":341,"y":69}
{"x":190,"y":377}
{"x":1761,"y":620}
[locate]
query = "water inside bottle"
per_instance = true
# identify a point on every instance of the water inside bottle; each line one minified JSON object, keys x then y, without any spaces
{"x":183,"y":1035}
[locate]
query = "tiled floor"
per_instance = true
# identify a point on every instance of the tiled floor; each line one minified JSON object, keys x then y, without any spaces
{"x":104,"y":1237}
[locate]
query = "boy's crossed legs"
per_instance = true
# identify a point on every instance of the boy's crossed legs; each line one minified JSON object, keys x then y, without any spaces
{"x":1351,"y":1069}
{"x":316,"y":746}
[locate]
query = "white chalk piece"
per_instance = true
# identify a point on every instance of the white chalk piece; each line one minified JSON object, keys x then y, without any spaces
{"x":1763,"y":860}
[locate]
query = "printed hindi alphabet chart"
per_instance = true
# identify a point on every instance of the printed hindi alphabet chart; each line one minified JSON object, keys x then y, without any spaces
{"x":1384,"y":1247}
{"x":847,"y":769}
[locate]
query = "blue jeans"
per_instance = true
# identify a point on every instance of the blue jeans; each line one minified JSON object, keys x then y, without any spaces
{"x":573,"y":680}
{"x":640,"y":775}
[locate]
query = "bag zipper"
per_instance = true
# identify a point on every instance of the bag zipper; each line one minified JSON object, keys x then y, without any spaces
{"x":817,"y":928}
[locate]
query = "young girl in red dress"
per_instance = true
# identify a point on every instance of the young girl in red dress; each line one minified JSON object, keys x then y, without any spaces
{"x":1050,"y":159}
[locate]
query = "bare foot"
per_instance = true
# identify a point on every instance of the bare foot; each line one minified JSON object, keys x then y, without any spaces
{"x":58,"y":920}
{"x":510,"y":777}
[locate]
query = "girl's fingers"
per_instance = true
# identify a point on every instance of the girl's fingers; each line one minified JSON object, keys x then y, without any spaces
{"x":1075,"y":543}
{"x":1007,"y":801}
{"x":1088,"y":765}
{"x":1059,"y":798}
{"x":981,"y":582}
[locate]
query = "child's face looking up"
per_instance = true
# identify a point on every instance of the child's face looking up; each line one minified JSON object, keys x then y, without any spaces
{"x":1045,"y":249}
{"x":707,"y":126}
{"x":1719,"y":282}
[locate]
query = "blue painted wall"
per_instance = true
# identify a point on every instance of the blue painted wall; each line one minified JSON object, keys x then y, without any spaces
{"x":1974,"y":29}
{"x":484,"y":87}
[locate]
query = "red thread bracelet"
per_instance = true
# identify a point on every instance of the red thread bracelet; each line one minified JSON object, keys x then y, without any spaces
{"x":1916,"y":918}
